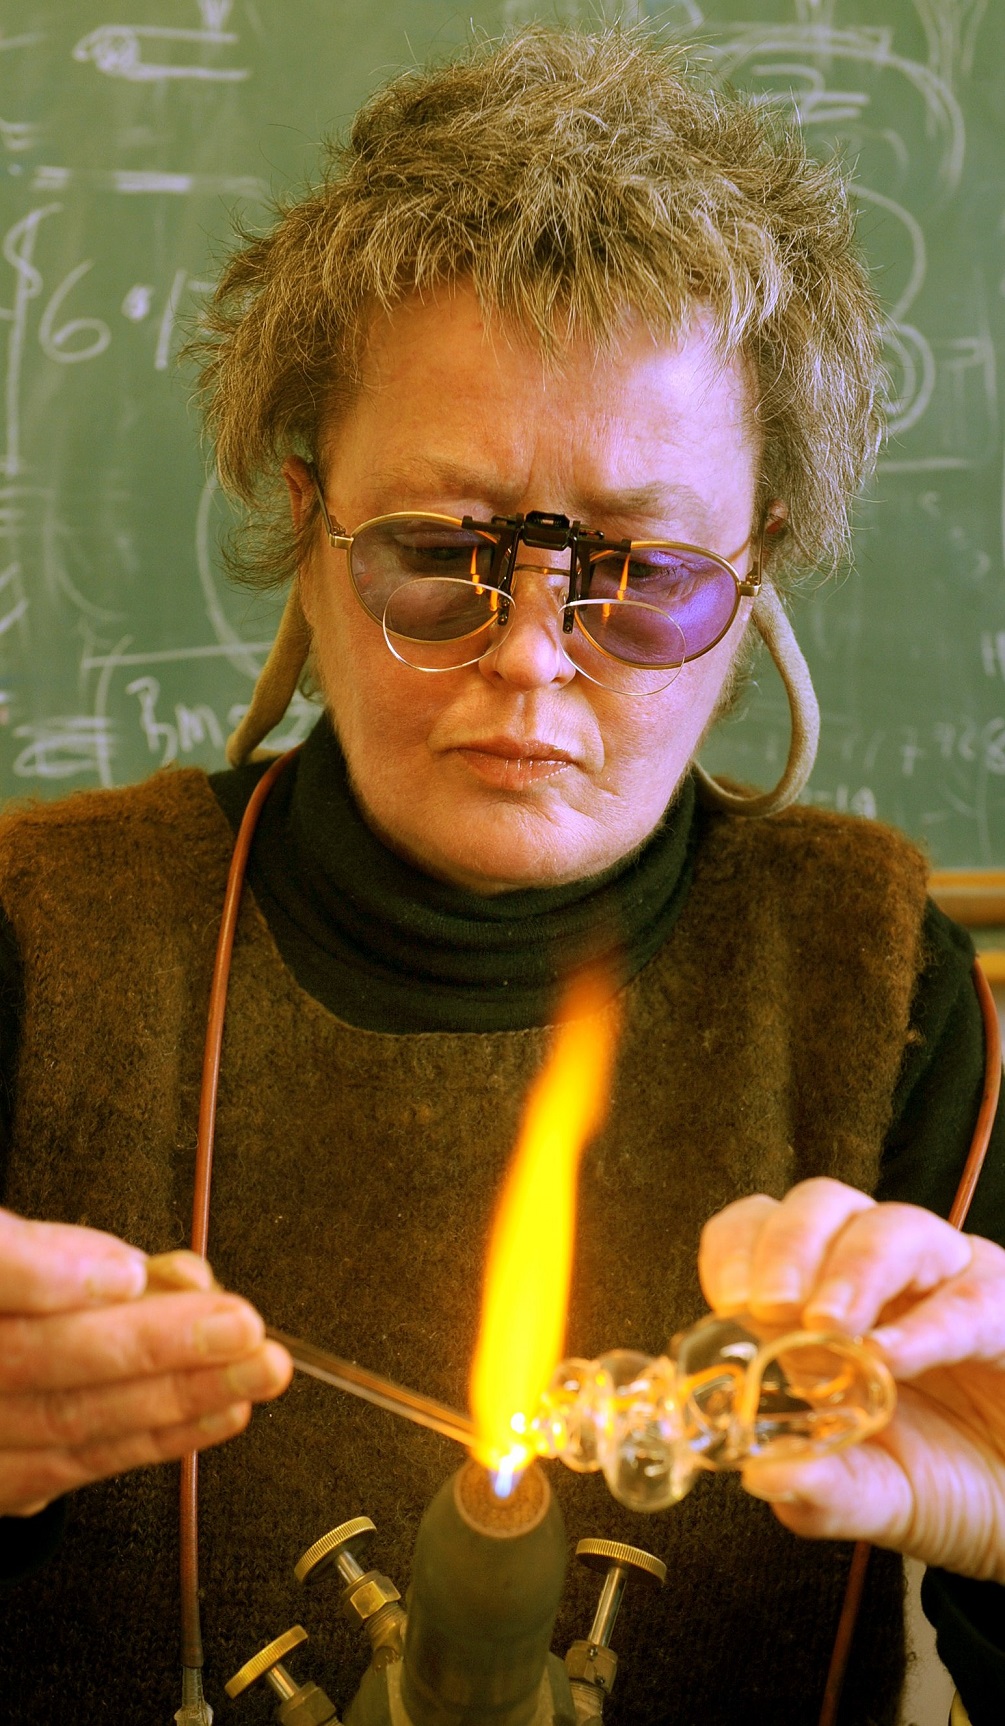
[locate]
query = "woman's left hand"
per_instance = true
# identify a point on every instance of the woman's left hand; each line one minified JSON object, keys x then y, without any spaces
{"x":932,"y":1483}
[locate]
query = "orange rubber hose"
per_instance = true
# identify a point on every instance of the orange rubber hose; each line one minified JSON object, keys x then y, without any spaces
{"x":191,"y":1626}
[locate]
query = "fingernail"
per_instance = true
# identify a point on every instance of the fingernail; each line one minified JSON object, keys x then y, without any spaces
{"x":889,"y":1338}
{"x":121,"y":1278}
{"x":224,"y":1333}
{"x":179,"y":1270}
{"x":226,"y":1421}
{"x":252,"y":1377}
{"x":733,"y":1291}
{"x":834,"y":1301}
{"x":769,"y":1496}
{"x":784,"y":1291}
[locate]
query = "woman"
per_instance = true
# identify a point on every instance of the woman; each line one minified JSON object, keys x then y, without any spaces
{"x":554,"y":291}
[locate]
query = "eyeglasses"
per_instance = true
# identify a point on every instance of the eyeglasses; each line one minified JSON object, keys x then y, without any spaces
{"x":635,"y":611}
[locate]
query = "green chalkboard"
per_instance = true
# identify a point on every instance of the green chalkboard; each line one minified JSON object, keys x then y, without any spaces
{"x":129,"y":134}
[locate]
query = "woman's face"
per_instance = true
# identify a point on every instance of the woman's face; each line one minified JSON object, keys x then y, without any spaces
{"x":517,"y":771}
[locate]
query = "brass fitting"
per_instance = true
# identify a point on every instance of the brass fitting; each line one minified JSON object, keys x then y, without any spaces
{"x":373,"y":1601}
{"x":366,"y":1597}
{"x":592,"y":1664}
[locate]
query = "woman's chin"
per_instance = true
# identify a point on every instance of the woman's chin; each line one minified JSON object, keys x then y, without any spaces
{"x":512,"y":851}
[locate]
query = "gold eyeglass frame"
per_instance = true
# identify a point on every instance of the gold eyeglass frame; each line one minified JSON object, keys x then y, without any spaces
{"x":576,"y":536}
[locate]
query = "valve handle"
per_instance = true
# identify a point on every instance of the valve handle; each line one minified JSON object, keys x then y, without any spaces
{"x":264,"y":1660}
{"x":333,"y":1545}
{"x":369,"y":1597}
{"x":603,"y":1555}
{"x":615,"y":1560}
{"x":591,"y":1663}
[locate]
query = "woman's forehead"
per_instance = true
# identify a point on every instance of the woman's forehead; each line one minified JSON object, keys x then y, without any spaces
{"x":449,"y":329}
{"x":454,"y":405}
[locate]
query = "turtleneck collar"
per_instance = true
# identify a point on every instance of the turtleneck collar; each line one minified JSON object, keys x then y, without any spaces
{"x":386,"y":947}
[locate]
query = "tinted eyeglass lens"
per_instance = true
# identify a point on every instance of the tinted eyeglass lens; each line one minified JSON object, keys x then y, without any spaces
{"x":638,"y":633}
{"x":695,"y":592}
{"x":416,"y":549}
{"x":625,"y":645}
{"x":437,"y":624}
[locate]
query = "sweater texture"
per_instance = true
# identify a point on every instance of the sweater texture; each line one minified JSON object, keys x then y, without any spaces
{"x":355,"y":1176}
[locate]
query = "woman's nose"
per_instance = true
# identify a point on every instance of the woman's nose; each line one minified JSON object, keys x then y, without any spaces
{"x":529,"y":653}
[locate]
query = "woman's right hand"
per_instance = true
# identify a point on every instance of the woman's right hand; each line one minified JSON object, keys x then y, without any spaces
{"x":95,"y":1380}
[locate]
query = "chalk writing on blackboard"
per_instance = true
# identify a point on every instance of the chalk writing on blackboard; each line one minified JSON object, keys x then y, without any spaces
{"x":67,"y":341}
{"x":120,"y":51}
{"x":60,"y":748}
{"x":137,"y":182}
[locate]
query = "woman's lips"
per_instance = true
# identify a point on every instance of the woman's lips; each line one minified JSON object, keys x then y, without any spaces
{"x":511,"y":765}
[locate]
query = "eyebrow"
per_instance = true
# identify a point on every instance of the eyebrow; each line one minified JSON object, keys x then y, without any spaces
{"x":659,"y":500}
{"x":655,"y":500}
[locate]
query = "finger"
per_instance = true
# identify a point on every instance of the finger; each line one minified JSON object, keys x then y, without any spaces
{"x":56,"y":1267}
{"x":164,"y":1333}
{"x":961,"y":1320}
{"x":179,"y":1270}
{"x":762,"y":1254}
{"x":860,"y":1494}
{"x":888,"y":1250}
{"x":32,"y":1479}
{"x":793,"y":1243}
{"x":726,"y":1250}
{"x":925,"y":1486}
{"x":71,"y":1418}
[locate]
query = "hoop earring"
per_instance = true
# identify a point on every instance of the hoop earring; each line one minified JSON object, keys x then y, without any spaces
{"x":276,"y":684}
{"x":775,"y":631}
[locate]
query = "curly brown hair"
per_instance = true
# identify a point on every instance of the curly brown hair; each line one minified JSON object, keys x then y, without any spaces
{"x":568,"y":176}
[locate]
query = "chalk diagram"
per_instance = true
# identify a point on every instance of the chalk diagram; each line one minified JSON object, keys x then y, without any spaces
{"x":148,"y":53}
{"x":50,"y":314}
{"x":836,"y":80}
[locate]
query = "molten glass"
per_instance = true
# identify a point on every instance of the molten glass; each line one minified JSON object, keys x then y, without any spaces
{"x":731,"y":1388}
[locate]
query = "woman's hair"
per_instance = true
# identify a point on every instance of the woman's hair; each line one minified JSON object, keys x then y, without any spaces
{"x":570,"y":178}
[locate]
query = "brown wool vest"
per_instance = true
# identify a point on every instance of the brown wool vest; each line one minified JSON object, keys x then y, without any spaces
{"x":355,"y":1174}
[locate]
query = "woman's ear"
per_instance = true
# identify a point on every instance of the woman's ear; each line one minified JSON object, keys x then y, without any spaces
{"x":300,"y":485}
{"x":776,"y":518}
{"x":299,"y":477}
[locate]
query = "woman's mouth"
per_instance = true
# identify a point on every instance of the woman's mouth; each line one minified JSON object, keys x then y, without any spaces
{"x":511,"y":764}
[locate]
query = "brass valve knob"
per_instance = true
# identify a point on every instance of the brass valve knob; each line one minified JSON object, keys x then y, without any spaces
{"x":299,"y":1704}
{"x":367,"y":1596}
{"x":336,"y":1547}
{"x":592,"y":1664}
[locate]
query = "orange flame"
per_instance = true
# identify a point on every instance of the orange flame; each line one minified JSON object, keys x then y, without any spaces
{"x":530,"y":1251}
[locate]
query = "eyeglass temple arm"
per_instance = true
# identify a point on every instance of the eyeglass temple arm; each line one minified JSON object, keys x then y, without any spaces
{"x":750,"y":588}
{"x":340,"y":541}
{"x":771,"y":526}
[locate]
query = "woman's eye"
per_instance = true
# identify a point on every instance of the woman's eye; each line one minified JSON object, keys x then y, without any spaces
{"x":431,"y":554}
{"x":668,"y":571}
